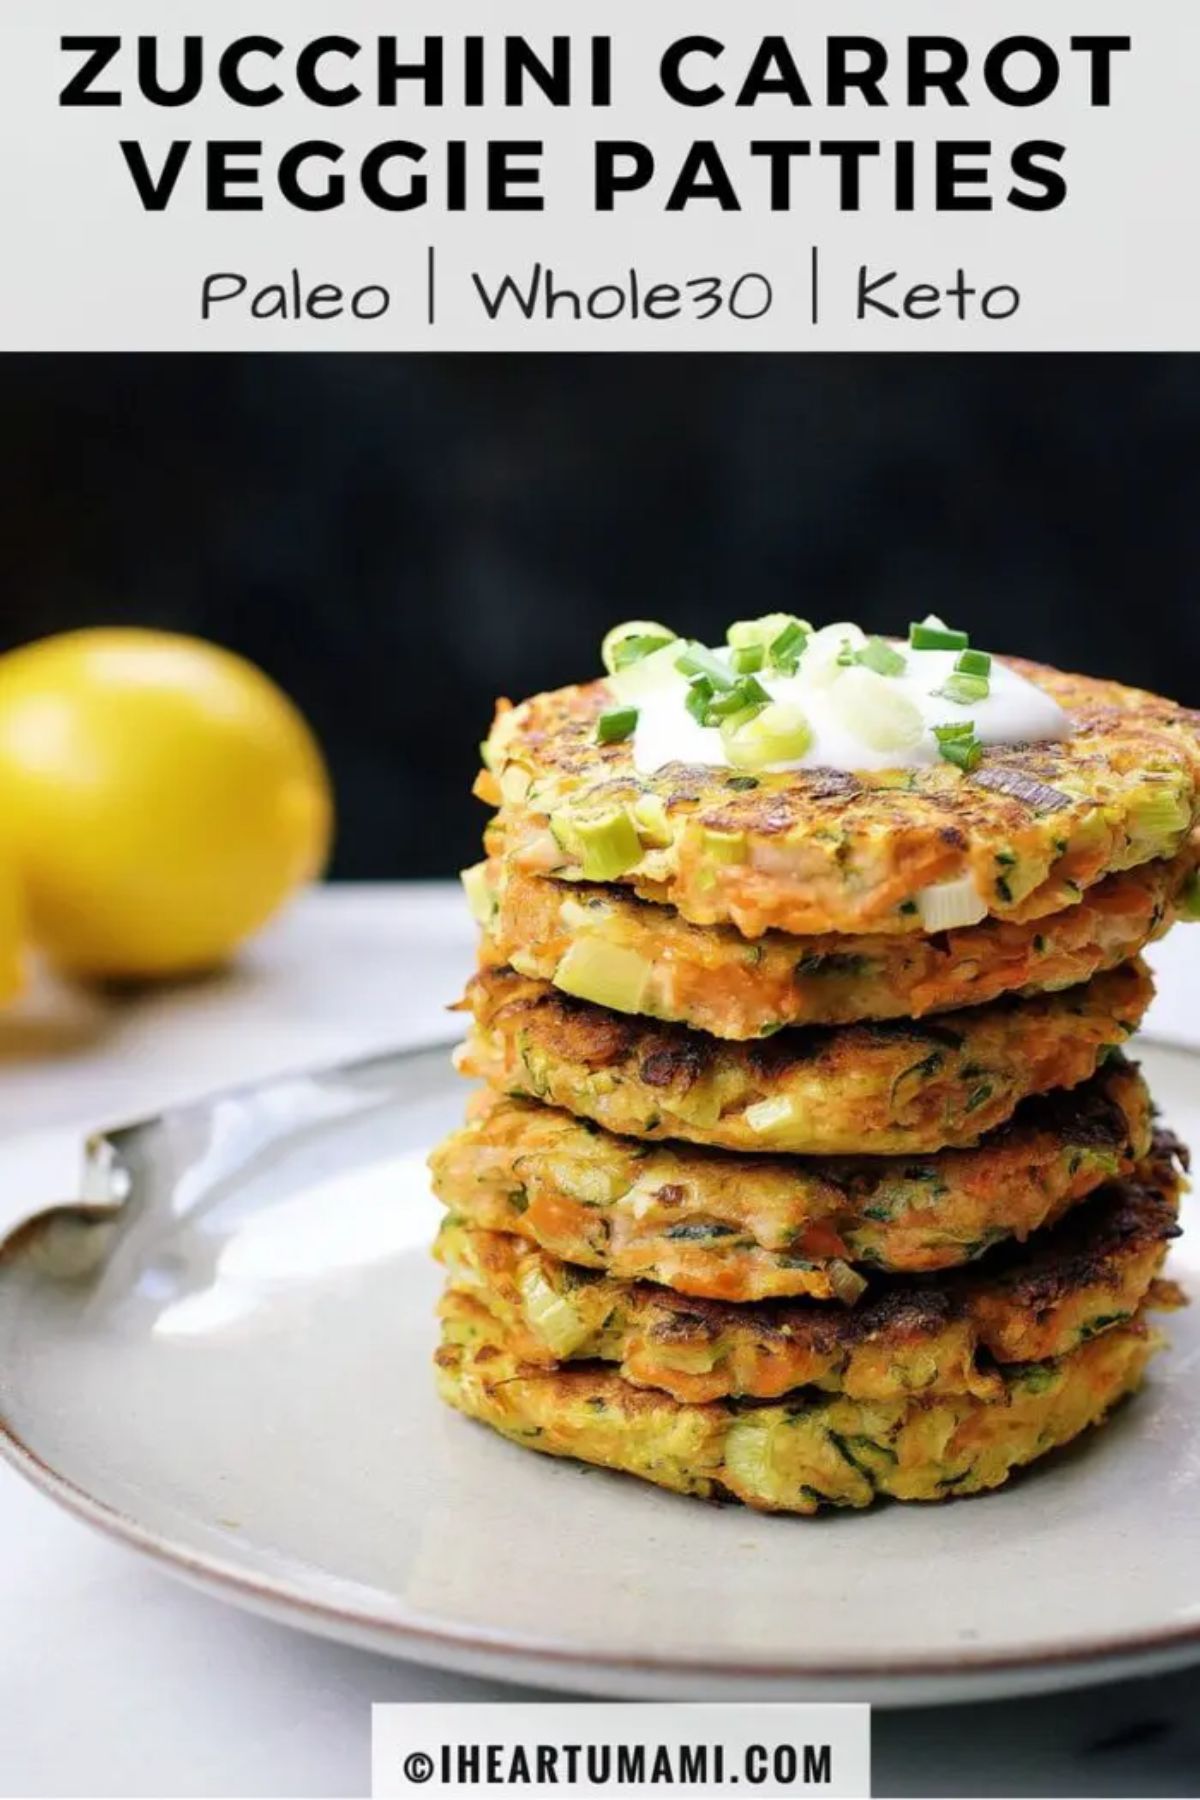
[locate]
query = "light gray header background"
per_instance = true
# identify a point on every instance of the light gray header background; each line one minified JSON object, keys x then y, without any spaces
{"x":1114,"y":268}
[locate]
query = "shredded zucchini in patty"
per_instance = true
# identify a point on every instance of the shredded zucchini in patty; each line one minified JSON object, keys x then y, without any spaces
{"x":795,"y":1455}
{"x":705,"y":1222}
{"x":1030,"y":1304}
{"x":821,"y":850}
{"x":604,"y":944}
{"x":896,"y":1087}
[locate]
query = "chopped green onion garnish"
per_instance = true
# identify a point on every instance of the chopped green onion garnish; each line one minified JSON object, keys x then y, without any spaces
{"x":966,"y":755}
{"x":936,"y":637}
{"x":629,"y":643}
{"x":697,"y":660}
{"x":748,"y":659}
{"x":955,"y":734}
{"x":786,"y":650}
{"x":846,"y":655}
{"x":635,"y":682}
{"x":723,"y":706}
{"x":878,"y":655}
{"x":635,"y":649}
{"x":764,"y":631}
{"x":974,"y":662}
{"x":750,"y":692}
{"x":958,"y":744}
{"x":699,"y":699}
{"x":610,"y":845}
{"x":617,"y":724}
{"x":964,"y":690}
{"x":747,"y":695}
{"x":771,"y":734}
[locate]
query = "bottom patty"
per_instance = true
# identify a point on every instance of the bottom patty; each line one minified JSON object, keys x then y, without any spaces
{"x":795,"y":1455}
{"x":1030,"y":1303}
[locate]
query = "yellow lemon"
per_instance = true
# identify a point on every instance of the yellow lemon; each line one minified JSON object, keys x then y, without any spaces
{"x":159,"y":797}
{"x":12,"y":931}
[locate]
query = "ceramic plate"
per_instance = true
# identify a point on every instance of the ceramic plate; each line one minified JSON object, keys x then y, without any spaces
{"x":222,"y":1358}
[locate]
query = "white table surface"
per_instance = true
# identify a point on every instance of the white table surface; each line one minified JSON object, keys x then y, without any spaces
{"x":116,"y":1681}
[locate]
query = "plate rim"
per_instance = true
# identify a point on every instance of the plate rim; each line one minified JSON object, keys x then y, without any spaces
{"x":416,"y":1632}
{"x":243,"y":1589}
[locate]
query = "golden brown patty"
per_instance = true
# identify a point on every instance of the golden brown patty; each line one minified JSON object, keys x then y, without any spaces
{"x":1032,"y":1303}
{"x":708,"y":1223}
{"x":605,"y":943}
{"x":825,"y":851}
{"x":884,"y":1088}
{"x":798,"y":1454}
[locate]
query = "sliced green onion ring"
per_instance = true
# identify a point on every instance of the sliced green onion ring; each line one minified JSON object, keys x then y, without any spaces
{"x":764,"y":632}
{"x":653,"y":673}
{"x":746,"y":696}
{"x":617,"y":724}
{"x":958,"y":744}
{"x":748,"y":659}
{"x":964,"y":690}
{"x":629,"y":643}
{"x":699,"y":699}
{"x":974,"y":662}
{"x":931,"y":634}
{"x":879,"y":656}
{"x":786,"y":650}
{"x":698,"y":660}
{"x":777,"y":733}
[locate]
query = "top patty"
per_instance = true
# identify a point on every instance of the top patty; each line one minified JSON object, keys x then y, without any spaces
{"x":822,"y":850}
{"x":880,"y":1089}
{"x":604,"y":944}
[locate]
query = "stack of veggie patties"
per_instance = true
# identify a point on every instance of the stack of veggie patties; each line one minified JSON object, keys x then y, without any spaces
{"x":810,"y":1166}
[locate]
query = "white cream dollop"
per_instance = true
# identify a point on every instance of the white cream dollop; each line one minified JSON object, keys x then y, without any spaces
{"x":1015,"y":711}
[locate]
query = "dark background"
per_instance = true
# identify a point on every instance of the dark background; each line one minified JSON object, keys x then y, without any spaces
{"x":398,"y":540}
